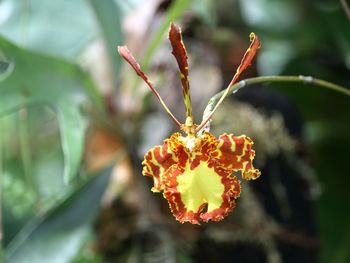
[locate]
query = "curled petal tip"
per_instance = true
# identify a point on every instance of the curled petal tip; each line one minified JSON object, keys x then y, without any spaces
{"x":174,"y":26}
{"x":252,"y":36}
{"x":251,"y":174}
{"x":123,"y":51}
{"x":255,"y":39}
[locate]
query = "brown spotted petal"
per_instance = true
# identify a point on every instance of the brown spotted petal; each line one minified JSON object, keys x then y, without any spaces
{"x":199,"y":186}
{"x":207,"y":192}
{"x":237,"y":154}
{"x":156,"y":162}
{"x":180,"y":54}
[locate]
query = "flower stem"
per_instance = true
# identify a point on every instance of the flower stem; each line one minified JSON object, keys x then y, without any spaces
{"x":25,"y":150}
{"x":301,"y":79}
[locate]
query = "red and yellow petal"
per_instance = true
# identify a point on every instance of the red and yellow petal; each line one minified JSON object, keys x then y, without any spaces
{"x":195,"y":174}
{"x":156,"y":162}
{"x":160,"y":158}
{"x":207,"y":192}
{"x":178,"y":147}
{"x":237,"y":154}
{"x":180,"y":54}
{"x":201,"y":189}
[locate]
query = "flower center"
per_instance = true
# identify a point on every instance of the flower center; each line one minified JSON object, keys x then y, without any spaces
{"x":189,"y":127}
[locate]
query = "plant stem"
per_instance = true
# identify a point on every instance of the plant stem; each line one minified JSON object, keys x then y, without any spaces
{"x":25,"y":148}
{"x":301,"y":79}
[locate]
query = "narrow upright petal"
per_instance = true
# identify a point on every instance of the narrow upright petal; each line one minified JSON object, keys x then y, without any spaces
{"x":245,"y":62}
{"x":180,"y":54}
{"x":126,"y":54}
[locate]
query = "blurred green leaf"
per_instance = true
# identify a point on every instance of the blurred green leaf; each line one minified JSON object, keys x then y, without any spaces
{"x":72,"y":128}
{"x":340,"y":30}
{"x":175,"y":10}
{"x":40,"y":80}
{"x":24,"y":194}
{"x":57,"y":235}
{"x":109,"y":17}
{"x":272,"y":15}
{"x":57,"y":28}
{"x":87,"y":253}
{"x":275,"y":55}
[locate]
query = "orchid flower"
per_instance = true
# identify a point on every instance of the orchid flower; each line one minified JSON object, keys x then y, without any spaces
{"x":195,"y":171}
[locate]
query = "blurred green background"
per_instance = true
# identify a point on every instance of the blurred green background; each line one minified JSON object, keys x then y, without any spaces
{"x":74,"y":122}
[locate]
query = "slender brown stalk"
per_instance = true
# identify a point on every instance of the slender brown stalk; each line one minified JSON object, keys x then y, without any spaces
{"x":126,"y":54}
{"x":246,"y":61}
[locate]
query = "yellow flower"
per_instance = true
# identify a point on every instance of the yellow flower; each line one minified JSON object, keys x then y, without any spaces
{"x":195,"y":172}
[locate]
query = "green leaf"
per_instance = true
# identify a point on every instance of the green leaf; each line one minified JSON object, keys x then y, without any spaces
{"x":59,"y":28}
{"x":175,"y":10}
{"x":109,"y":17}
{"x":340,"y":30}
{"x":271,"y":15}
{"x":58,"y":235}
{"x":72,"y":128}
{"x":1,"y":253}
{"x":37,"y":79}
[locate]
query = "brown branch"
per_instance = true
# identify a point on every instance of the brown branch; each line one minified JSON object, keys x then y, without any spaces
{"x":297,"y":238}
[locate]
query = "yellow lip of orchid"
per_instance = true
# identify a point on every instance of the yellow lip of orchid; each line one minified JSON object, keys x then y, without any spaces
{"x":195,"y":172}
